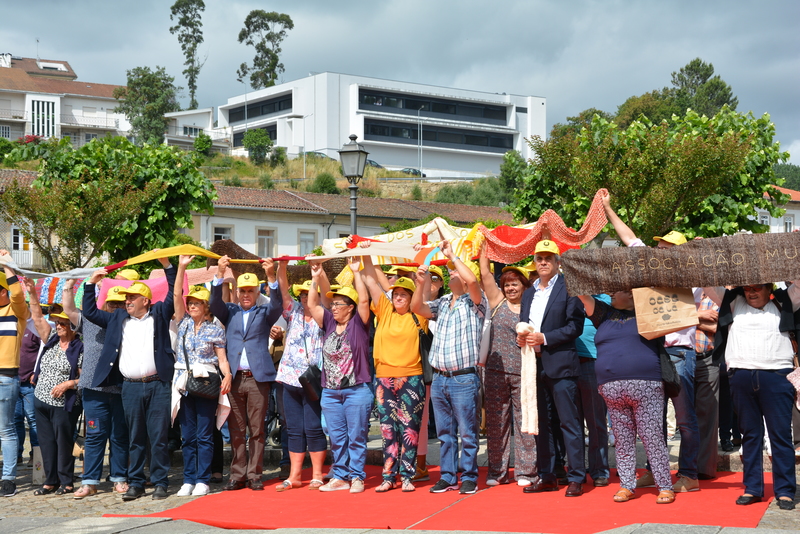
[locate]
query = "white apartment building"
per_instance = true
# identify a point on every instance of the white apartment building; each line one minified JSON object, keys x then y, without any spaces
{"x":463,"y":132}
{"x":43,"y":97}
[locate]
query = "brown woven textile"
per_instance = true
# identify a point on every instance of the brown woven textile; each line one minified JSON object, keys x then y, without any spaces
{"x":297,"y":274}
{"x":737,"y":260}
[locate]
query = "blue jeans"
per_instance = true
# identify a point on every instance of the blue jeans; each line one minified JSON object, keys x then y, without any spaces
{"x":9,"y":392}
{"x":198,"y":418}
{"x":105,"y":422}
{"x":592,"y":410}
{"x":455,"y":401}
{"x":147,"y":412}
{"x":685,"y":415}
{"x":24,"y":410}
{"x":347,"y":413}
{"x":765,"y":397}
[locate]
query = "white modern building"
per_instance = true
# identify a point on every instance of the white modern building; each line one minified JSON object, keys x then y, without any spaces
{"x":44,"y":98}
{"x":463,"y":133}
{"x":185,"y":126}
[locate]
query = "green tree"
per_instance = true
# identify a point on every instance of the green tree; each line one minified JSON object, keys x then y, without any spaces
{"x":71,"y":220}
{"x":203,"y":144}
{"x":574,"y":124}
{"x":324,"y":183}
{"x":265,"y":32}
{"x":257,"y":142}
{"x":789,"y":173}
{"x":416,"y":192}
{"x":148,"y":96}
{"x":190,"y":36}
{"x":696,"y":87}
{"x":183,"y":189}
{"x":698,"y":175}
{"x":454,"y":194}
{"x":265,"y":181}
{"x":277,"y":156}
{"x":657,"y":106}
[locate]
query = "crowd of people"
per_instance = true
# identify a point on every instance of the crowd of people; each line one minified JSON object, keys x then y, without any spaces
{"x":135,"y":367}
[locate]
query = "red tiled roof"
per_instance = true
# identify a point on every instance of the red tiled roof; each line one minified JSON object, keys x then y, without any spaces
{"x":8,"y":176}
{"x":270,"y":199}
{"x":29,"y":65}
{"x":794,"y":194}
{"x":15,"y":79}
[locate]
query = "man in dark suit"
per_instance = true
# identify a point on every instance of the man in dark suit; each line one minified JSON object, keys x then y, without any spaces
{"x":247,"y":329}
{"x":558,"y":320}
{"x":138,"y":354}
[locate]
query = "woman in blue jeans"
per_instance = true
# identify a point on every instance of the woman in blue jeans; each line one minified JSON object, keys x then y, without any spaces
{"x":201,"y":343}
{"x":302,"y":348}
{"x":346,"y":396}
{"x":102,"y":406}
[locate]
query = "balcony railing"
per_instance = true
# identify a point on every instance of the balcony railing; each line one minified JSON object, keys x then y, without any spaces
{"x":13,"y":114}
{"x":90,"y":122}
{"x":190,"y":132}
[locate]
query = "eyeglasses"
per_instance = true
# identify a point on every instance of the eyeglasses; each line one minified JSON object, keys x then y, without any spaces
{"x":194,"y":303}
{"x":752,"y":289}
{"x":435,"y":278}
{"x":337,"y":304}
{"x":62,"y":323}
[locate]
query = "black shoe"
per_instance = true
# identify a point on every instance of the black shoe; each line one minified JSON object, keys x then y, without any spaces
{"x":540,"y":486}
{"x":727,"y":445}
{"x":785,"y":504}
{"x":575,"y":489}
{"x":133,"y":493}
{"x":442,"y":486}
{"x":600,"y":482}
{"x":744,"y":500}
{"x":8,"y":488}
{"x":468,"y":487}
{"x":160,"y":493}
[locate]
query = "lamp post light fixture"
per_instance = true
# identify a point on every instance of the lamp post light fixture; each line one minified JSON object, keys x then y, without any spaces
{"x":354,"y":158}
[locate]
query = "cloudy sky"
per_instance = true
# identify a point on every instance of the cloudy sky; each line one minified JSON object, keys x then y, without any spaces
{"x":576,"y":53}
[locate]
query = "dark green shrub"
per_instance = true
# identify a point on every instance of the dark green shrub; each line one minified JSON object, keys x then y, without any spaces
{"x":202,"y":144}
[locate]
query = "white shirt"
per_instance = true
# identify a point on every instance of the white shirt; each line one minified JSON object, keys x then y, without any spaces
{"x":137,"y":352}
{"x":687,"y":336}
{"x":539,"y":303}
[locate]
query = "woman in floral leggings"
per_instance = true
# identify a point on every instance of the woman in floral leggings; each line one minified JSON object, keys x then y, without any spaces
{"x":400,"y":391}
{"x":629,"y":378}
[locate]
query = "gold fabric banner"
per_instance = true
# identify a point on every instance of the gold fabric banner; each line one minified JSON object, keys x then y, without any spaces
{"x":736,"y":260}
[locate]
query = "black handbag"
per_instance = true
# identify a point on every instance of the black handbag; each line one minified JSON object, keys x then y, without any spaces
{"x":669,"y":374}
{"x":311,"y":379}
{"x":425,"y":342}
{"x":206,"y":387}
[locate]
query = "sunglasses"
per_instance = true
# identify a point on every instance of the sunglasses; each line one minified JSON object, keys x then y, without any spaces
{"x":435,"y":278}
{"x":752,"y":289}
{"x":62,"y":323}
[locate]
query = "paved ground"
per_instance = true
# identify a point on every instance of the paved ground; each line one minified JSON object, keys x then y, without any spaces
{"x":31,"y":514}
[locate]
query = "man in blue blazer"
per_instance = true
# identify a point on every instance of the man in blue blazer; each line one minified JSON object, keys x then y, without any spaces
{"x":247,"y":328}
{"x":138,"y":354}
{"x":558,"y":320}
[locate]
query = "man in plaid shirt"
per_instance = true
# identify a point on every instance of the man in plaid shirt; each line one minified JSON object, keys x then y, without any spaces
{"x":454,"y":358}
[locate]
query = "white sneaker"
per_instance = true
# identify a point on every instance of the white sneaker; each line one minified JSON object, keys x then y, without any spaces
{"x":200,"y":489}
{"x":492,"y":482}
{"x":523,"y":482}
{"x":186,"y":490}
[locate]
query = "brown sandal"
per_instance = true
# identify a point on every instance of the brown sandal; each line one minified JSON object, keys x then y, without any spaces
{"x":666,"y":497}
{"x":623,"y":495}
{"x":385,"y":486}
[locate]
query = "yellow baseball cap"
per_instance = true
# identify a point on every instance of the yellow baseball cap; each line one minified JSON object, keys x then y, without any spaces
{"x":305,"y":286}
{"x":405,"y":283}
{"x":346,"y":291}
{"x":128,"y":274}
{"x":399,"y":269}
{"x":476,"y":270}
{"x":547,"y":246}
{"x":138,"y":288}
{"x":115,"y":294}
{"x":675,"y":238}
{"x":60,"y":315}
{"x":435,"y":269}
{"x":521,"y":270}
{"x":248,"y":280}
{"x":3,"y":281}
{"x":199,"y":293}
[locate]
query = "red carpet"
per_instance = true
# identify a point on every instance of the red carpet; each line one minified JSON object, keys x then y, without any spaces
{"x":502,"y":508}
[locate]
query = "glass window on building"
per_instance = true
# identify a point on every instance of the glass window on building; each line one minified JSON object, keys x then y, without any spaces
{"x":307,"y":242}
{"x":788,"y":223}
{"x":222,"y":232}
{"x":266,"y":243}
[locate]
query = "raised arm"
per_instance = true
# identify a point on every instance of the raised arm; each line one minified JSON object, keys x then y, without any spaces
{"x":588,"y":304}
{"x":369,"y":277}
{"x":90,"y":310}
{"x":624,"y":232}
{"x":169,"y":299}
{"x":275,"y":306}
{"x":15,"y":293}
{"x":283,"y":284}
{"x":217,"y":304}
{"x":363,"y":296}
{"x":418,"y":304}
{"x":493,"y":293}
{"x":314,"y":306}
{"x":43,"y":327}
{"x":471,"y":283}
{"x":68,"y":301}
{"x":180,"y":305}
